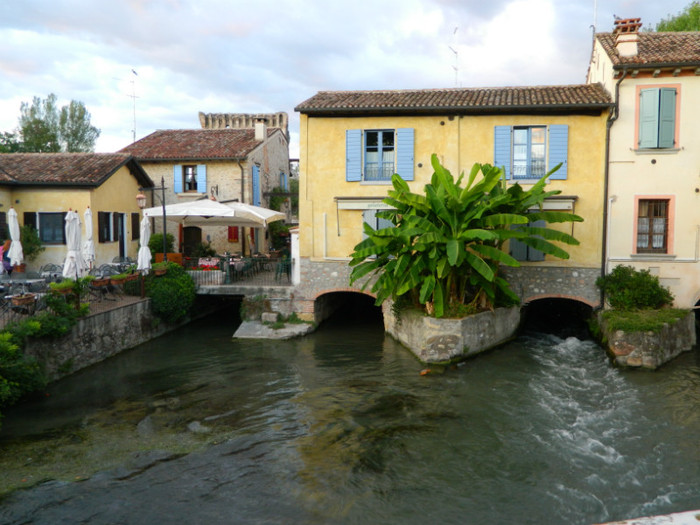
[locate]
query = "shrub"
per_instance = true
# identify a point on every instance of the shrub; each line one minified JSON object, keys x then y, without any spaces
{"x":628,"y":289}
{"x":172,"y":294}
{"x":155,"y":244}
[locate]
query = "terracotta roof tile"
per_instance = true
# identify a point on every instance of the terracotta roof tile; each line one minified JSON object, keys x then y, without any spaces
{"x":657,"y":49}
{"x":460,"y":100}
{"x":196,"y":144}
{"x":62,"y":168}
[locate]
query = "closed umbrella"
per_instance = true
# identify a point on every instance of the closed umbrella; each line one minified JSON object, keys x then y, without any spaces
{"x":89,"y":246}
{"x":144,"y":257}
{"x":15,"y":252}
{"x":74,"y":266}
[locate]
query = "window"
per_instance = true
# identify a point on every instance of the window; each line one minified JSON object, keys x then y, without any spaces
{"x":375,"y":155}
{"x":657,"y":118}
{"x":528,"y":152}
{"x":107,"y":226}
{"x":376,"y":223}
{"x":652,"y":226}
{"x":189,"y":178}
{"x":522,"y":252}
{"x":52,"y":228}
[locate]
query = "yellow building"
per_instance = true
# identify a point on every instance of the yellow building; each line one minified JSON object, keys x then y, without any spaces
{"x":42,"y":187}
{"x":223,"y":163}
{"x":654,"y":161}
{"x":352,"y":142}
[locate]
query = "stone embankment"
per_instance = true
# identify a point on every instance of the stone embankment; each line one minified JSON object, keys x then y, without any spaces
{"x":649,"y":349}
{"x":443,"y":340}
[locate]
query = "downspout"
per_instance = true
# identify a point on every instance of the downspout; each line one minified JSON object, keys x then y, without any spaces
{"x":613,"y":116}
{"x":240,"y":166}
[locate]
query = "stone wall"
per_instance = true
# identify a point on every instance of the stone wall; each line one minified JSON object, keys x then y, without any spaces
{"x":442,"y":340}
{"x":540,"y":282}
{"x":650,"y":349}
{"x":96,"y":338}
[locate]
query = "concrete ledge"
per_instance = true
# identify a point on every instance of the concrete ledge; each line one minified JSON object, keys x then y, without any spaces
{"x":442,"y":340}
{"x":692,"y":517}
{"x":258,"y":330}
{"x":649,"y":349}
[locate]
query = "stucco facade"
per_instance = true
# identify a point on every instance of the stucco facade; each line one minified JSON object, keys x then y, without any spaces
{"x":667,"y":244}
{"x":231,"y":165}
{"x":332,"y":208}
{"x":109,"y":186}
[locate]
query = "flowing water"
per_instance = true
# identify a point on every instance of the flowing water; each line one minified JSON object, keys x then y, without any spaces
{"x":340,"y":427}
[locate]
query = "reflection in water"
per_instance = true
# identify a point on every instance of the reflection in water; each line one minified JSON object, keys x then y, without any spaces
{"x":340,"y":427}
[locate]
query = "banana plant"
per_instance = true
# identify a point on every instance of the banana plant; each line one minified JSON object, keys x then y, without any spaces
{"x":446,"y":246}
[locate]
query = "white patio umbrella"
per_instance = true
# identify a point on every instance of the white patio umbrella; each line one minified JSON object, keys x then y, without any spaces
{"x":144,"y":256}
{"x":15,"y":253}
{"x":207,"y":212}
{"x":74,"y":266}
{"x":89,"y":246}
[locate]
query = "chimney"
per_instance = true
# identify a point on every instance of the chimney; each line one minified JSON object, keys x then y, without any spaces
{"x":260,"y":129}
{"x":627,"y":36}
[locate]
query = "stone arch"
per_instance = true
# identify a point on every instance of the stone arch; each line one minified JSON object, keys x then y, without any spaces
{"x":577,"y":298}
{"x":327,"y":302}
{"x":558,"y":314}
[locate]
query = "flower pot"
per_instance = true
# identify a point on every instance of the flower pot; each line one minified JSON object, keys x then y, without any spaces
{"x":100,"y":282}
{"x":132,"y":277}
{"x":160,"y":272}
{"x":118,"y":282}
{"x":24,"y":299}
{"x":62,"y":291}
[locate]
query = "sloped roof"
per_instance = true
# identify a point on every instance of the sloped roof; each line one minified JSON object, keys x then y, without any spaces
{"x":533,"y":99}
{"x":66,"y":169}
{"x":196,"y":144}
{"x":657,"y":49}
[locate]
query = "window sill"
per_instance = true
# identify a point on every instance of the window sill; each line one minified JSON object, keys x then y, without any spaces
{"x":375,"y":183}
{"x":652,"y":256}
{"x":656,"y":151}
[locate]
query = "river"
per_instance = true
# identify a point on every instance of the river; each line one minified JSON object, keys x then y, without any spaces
{"x":340,"y":427}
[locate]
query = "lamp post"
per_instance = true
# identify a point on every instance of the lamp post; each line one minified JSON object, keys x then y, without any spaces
{"x":141,"y":201}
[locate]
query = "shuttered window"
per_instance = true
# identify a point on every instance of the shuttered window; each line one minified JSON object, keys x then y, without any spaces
{"x":528,"y":152}
{"x":375,"y":155}
{"x":652,"y":226}
{"x":657,"y":118}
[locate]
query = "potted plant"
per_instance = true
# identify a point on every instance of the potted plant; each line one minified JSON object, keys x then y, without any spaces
{"x":31,"y":243}
{"x":64,"y":287}
{"x":118,"y":279}
{"x":160,"y":268}
{"x":23,"y":299}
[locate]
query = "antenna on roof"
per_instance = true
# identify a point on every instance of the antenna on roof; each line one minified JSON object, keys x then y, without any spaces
{"x":456,"y":66}
{"x":133,"y":98}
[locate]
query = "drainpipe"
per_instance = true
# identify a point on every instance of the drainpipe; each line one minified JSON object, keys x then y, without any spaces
{"x":612,"y":117}
{"x":242,"y":237}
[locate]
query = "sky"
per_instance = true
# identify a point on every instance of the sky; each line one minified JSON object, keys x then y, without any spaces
{"x":146,"y":65}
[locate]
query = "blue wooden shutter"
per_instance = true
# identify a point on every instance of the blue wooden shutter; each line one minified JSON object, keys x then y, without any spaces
{"x":256,"y":185}
{"x":501,"y":154}
{"x":201,"y":178}
{"x":518,"y":250}
{"x":649,"y":118}
{"x":177,"y":178}
{"x":532,"y":253}
{"x":353,"y":155}
{"x":667,"y":118}
{"x":404,"y":153}
{"x":558,"y":150}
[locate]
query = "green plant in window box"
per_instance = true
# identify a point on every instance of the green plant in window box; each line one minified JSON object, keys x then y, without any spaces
{"x":63,"y":287}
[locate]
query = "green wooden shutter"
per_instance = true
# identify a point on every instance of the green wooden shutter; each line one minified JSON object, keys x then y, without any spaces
{"x":501,"y":154}
{"x":353,"y":155}
{"x":558,"y":150}
{"x":404,"y":153}
{"x":649,"y":118}
{"x":667,"y":118}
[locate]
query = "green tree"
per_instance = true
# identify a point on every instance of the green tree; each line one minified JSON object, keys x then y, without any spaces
{"x":687,"y":20}
{"x":46,"y":129}
{"x":10,"y":142}
{"x":446,"y":246}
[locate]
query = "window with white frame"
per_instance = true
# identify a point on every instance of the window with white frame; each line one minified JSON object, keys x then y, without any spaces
{"x":529,"y":152}
{"x":374,"y":155}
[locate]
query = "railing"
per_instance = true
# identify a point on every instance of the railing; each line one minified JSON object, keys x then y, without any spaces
{"x":245,"y":271}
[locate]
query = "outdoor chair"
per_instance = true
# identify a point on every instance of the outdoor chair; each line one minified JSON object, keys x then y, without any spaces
{"x":283,"y":268}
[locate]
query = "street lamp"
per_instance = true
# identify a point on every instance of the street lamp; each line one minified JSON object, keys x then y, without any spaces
{"x":141,"y":202}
